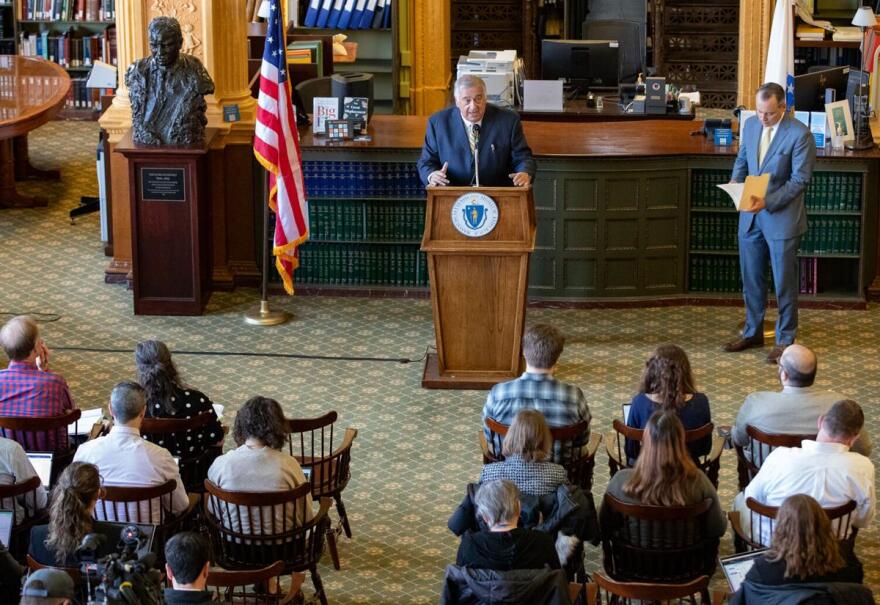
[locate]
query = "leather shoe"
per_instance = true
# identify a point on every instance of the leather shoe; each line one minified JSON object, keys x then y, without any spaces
{"x":741,"y":344}
{"x":775,"y":353}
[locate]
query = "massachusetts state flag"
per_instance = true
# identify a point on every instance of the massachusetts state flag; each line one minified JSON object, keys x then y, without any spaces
{"x":780,"y":51}
{"x":276,"y":145}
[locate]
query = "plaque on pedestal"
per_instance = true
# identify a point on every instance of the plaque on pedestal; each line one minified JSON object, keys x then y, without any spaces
{"x":170,"y":226}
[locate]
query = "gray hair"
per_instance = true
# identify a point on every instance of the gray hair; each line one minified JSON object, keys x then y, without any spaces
{"x":497,"y":501}
{"x":127,"y":400}
{"x":468,"y":81}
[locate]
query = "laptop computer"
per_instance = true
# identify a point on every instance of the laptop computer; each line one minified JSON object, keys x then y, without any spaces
{"x":86,"y":421}
{"x":42,"y":463}
{"x":7,"y":517}
{"x":625,"y":408}
{"x":735,"y":567}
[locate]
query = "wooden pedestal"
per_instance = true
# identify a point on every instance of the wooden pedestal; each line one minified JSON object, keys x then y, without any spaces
{"x":478,"y":289}
{"x":170,"y":227}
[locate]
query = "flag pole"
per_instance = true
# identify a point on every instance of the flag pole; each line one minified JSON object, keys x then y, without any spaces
{"x":263,"y":315}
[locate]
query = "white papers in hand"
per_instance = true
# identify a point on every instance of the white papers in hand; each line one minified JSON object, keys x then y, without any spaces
{"x":741,"y":193}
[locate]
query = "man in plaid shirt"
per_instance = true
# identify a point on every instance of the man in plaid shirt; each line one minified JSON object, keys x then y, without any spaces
{"x":562,"y":404}
{"x":27,"y":387}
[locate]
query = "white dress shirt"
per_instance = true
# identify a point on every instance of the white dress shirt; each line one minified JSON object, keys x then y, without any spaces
{"x":126,"y":459}
{"x":16,"y":468}
{"x":828,"y":472}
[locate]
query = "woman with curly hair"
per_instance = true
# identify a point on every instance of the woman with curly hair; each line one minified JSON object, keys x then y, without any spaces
{"x":169,"y":397}
{"x":668,"y":384}
{"x":258,"y":464}
{"x":804,"y":549}
{"x":74,"y":497}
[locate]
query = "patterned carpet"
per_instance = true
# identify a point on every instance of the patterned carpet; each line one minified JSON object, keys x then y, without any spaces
{"x":416,"y":449}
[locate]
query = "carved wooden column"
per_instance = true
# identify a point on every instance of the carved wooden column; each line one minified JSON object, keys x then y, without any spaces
{"x":430,"y":61}
{"x":754,"y":36}
{"x":215,"y":31}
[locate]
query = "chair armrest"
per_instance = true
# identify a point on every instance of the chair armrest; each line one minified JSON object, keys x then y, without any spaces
{"x":718,"y":597}
{"x":323,"y":510}
{"x":487,"y":456}
{"x":101,"y":427}
{"x":734,"y":519}
{"x":350,"y":434}
{"x":717,"y":448}
{"x":593,"y":444}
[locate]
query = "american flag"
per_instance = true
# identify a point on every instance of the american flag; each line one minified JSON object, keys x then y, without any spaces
{"x":276,"y":145}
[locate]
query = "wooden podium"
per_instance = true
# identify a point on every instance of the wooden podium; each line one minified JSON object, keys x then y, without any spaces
{"x":170,"y":226}
{"x":478,"y":283}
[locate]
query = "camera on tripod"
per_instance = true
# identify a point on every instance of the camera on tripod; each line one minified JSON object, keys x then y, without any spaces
{"x":121,"y":578}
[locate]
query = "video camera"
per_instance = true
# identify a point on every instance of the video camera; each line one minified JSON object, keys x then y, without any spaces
{"x":120,"y":578}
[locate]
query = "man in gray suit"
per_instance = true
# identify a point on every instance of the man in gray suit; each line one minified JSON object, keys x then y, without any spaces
{"x":796,"y":409}
{"x":777,"y":144}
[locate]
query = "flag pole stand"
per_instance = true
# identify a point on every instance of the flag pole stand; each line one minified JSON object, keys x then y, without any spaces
{"x":263,"y":315}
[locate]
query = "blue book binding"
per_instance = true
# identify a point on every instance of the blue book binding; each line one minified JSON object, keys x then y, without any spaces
{"x":345,"y":17}
{"x":386,"y":21}
{"x":335,"y":14}
{"x":357,"y":14}
{"x":312,"y":13}
{"x":379,"y":16}
{"x":324,"y":13}
{"x":367,"y":17}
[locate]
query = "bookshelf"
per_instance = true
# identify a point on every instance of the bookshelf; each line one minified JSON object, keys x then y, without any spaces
{"x":72,"y":34}
{"x":7,"y":28}
{"x":830,"y":252}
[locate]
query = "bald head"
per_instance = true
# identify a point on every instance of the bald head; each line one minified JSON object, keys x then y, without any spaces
{"x":798,"y":366}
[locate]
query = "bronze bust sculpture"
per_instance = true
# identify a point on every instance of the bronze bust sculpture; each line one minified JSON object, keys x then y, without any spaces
{"x":167,"y":90}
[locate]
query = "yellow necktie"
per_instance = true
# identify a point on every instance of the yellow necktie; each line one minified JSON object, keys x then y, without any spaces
{"x":472,"y":138}
{"x":765,"y":144}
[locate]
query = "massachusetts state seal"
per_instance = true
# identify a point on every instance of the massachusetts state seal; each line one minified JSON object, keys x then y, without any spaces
{"x":474,"y":214}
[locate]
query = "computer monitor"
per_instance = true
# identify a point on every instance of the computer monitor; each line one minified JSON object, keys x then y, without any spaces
{"x":809,"y":88}
{"x":584,"y":64}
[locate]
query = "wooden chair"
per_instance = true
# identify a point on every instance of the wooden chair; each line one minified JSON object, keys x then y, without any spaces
{"x":25,"y":495}
{"x":149,"y":505}
{"x":36,"y":433}
{"x":74,"y":573}
{"x":578,"y":460}
{"x":249,"y":530}
{"x":615,"y":443}
{"x":751,"y":456}
{"x":247,"y":587}
{"x":626,"y":592}
{"x":310,"y":441}
{"x":193,"y":467}
{"x":665,"y":544}
{"x":750,"y":538}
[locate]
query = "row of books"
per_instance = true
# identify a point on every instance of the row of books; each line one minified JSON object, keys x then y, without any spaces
{"x":67,"y":10}
{"x":308,"y":52}
{"x":361,"y":265}
{"x":714,"y":231}
{"x":81,"y":97}
{"x":68,"y":50}
{"x":366,"y":221}
{"x":827,"y":191}
{"x":825,"y":235}
{"x":362,"y":179}
{"x":349,"y":14}
{"x":722,"y":274}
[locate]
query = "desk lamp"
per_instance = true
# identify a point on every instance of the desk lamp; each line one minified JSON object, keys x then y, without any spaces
{"x":863,"y":19}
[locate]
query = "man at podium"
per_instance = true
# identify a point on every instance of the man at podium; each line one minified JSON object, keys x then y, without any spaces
{"x":475,"y":143}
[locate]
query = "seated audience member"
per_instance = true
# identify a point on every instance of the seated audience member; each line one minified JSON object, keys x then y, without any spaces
{"x":795,"y":409}
{"x":71,"y":518}
{"x":668,"y":384}
{"x":526,"y":451}
{"x":561,"y":404}
{"x":48,"y":587}
{"x":664,"y":475}
{"x":10,"y":576}
{"x":258,"y":464}
{"x":187,"y":562}
{"x":824,"y":469}
{"x":167,"y":397}
{"x":125,"y":459}
{"x":16,"y":468}
{"x":504,"y":546}
{"x":804,"y":549}
{"x":27,"y":387}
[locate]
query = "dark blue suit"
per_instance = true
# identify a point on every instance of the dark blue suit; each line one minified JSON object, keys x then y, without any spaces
{"x":502,"y":148}
{"x":775,"y":232}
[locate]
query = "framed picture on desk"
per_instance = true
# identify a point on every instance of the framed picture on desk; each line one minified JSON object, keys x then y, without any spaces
{"x":840,"y":120}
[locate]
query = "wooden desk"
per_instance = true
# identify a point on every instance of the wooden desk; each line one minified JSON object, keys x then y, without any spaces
{"x":32,"y":92}
{"x":576,"y":110}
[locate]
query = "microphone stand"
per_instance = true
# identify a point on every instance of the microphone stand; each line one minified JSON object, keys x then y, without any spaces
{"x":477,"y":166}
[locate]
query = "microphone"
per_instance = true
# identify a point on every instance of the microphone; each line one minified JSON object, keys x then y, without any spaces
{"x":476,"y":130}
